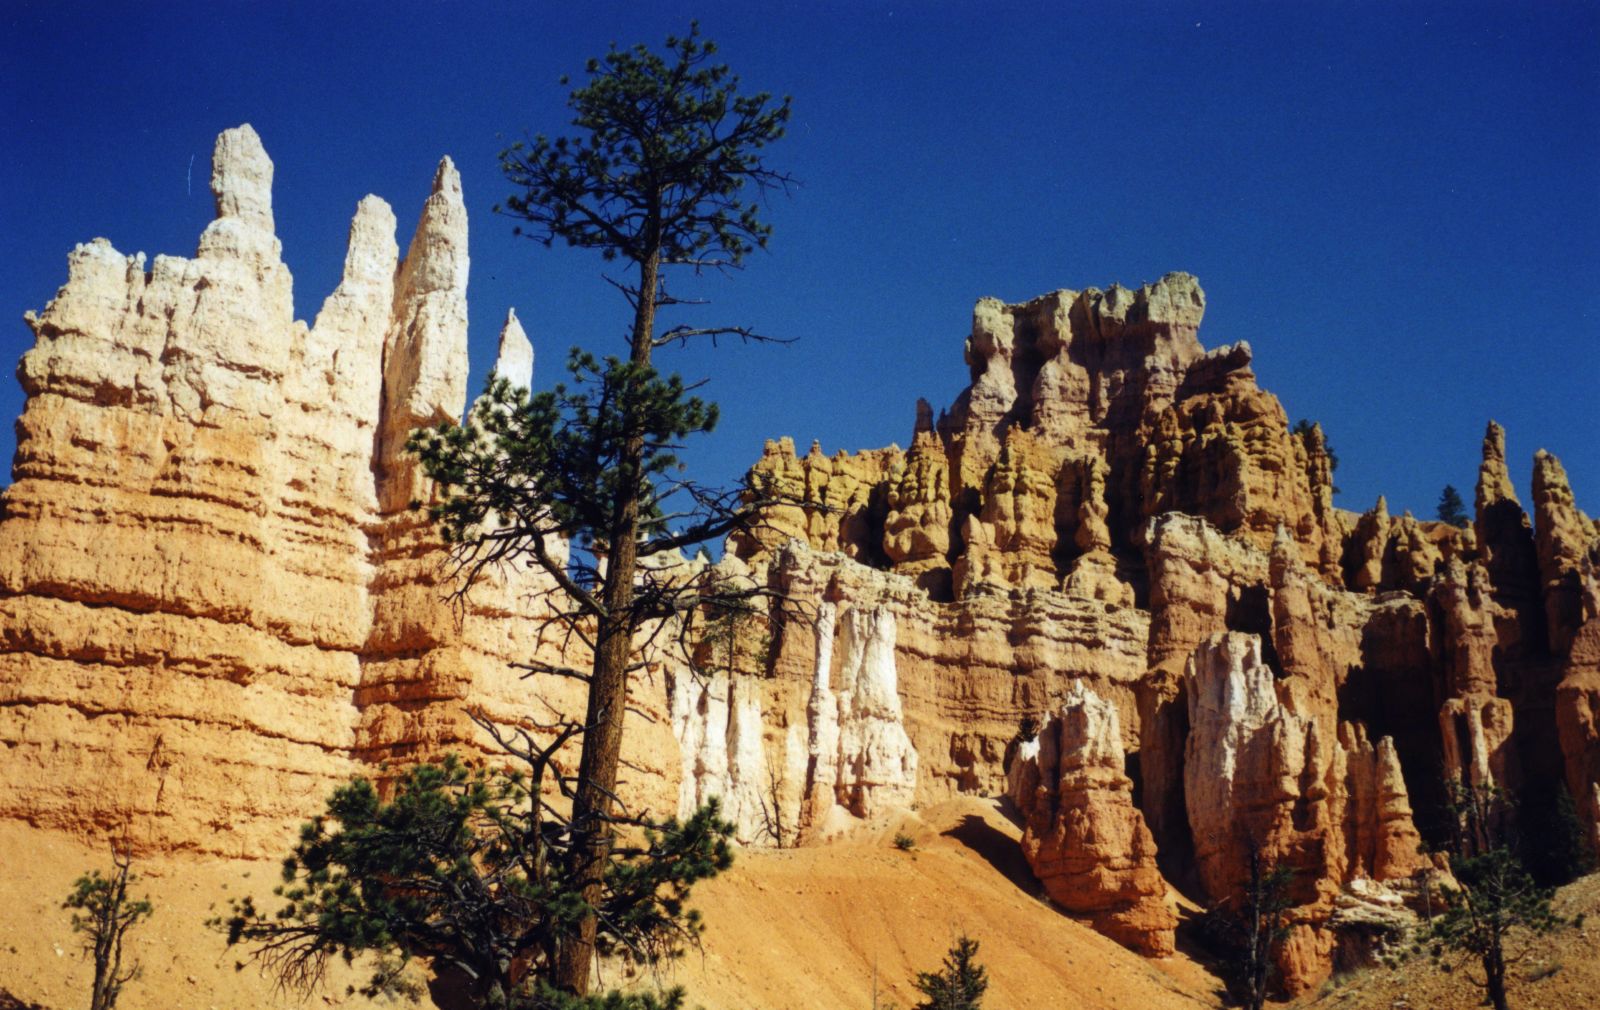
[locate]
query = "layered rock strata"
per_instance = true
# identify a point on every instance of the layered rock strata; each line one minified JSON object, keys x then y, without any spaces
{"x":215,"y":603}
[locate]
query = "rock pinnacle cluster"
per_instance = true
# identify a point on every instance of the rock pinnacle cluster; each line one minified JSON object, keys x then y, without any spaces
{"x":1108,"y":585}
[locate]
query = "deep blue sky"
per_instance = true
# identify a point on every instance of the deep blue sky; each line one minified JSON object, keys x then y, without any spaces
{"x":1397,"y":204}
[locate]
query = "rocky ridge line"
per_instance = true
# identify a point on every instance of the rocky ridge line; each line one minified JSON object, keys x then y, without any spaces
{"x":215,"y":603}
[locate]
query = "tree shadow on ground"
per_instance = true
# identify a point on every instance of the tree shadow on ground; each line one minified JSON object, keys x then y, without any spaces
{"x":1196,"y":939}
{"x":997,"y":849}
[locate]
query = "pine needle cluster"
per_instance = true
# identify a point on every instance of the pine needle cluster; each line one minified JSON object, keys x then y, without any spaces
{"x":959,"y":985}
{"x":469,"y":871}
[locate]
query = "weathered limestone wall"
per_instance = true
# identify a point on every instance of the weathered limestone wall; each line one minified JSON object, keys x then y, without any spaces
{"x":1107,"y":506}
{"x":215,"y":602}
{"x":183,"y":601}
{"x":1083,"y":836}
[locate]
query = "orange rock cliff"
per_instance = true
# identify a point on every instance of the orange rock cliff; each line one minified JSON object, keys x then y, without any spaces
{"x":1109,"y":583}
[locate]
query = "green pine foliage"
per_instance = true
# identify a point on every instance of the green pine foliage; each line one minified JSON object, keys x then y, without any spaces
{"x":553,"y":462}
{"x":664,"y":175}
{"x":665,"y":149}
{"x":104,"y":913}
{"x":959,"y":984}
{"x":1451,"y":509}
{"x":1496,"y":906}
{"x":665,"y":170}
{"x":1495,"y":911}
{"x":464,"y":870}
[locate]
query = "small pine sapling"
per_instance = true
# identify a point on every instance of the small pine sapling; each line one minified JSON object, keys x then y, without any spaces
{"x":1496,"y":907}
{"x":959,"y":985}
{"x":104,"y":914}
{"x":1252,"y":927}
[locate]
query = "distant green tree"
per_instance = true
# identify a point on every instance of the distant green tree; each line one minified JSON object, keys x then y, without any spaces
{"x":959,"y":985}
{"x":107,"y":914}
{"x":1451,"y":509}
{"x":469,"y":872}
{"x":1495,"y":907}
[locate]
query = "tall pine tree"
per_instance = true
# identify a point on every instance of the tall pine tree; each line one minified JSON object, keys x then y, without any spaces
{"x":663,"y":173}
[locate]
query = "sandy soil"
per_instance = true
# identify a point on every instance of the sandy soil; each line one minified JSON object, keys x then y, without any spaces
{"x":792,"y":929}
{"x":186,"y":966}
{"x":807,"y":928}
{"x":1562,"y":974}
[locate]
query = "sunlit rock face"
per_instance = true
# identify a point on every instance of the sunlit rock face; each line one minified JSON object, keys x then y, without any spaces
{"x":1083,"y":837}
{"x":1578,"y":710}
{"x":1110,"y":571}
{"x":182,"y":552}
{"x":1267,"y":770}
{"x":216,"y":602}
{"x":1112,"y":505}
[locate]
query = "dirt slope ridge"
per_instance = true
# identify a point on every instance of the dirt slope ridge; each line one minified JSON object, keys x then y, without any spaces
{"x":786,"y":930}
{"x":801,"y":929}
{"x":797,"y":929}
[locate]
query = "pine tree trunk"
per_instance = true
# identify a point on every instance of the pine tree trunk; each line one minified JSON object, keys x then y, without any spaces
{"x":1259,"y":941}
{"x":608,"y":688}
{"x":1494,"y":972}
{"x":107,"y":959}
